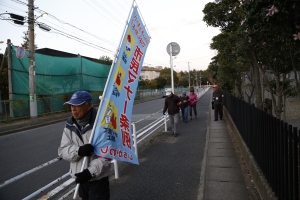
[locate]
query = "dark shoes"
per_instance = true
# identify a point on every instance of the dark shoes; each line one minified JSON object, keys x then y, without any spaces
{"x":175,"y":134}
{"x":216,"y":120}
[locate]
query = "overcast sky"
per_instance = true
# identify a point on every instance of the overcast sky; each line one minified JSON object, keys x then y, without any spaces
{"x":100,"y":25}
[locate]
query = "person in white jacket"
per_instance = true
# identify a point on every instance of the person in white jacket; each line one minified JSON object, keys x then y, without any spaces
{"x":94,"y":179}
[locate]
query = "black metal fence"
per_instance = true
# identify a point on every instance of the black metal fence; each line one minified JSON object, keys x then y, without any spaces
{"x":273,"y":144}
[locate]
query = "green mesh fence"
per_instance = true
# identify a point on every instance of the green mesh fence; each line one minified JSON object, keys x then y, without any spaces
{"x":57,"y":78}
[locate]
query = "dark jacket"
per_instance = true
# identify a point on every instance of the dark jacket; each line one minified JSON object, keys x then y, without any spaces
{"x":171,"y":104}
{"x":218,"y":97}
{"x":184,"y":101}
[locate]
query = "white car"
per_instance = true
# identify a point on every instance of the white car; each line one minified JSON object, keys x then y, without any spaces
{"x":167,"y":92}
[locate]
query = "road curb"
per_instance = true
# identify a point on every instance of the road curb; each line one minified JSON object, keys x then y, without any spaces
{"x":201,"y":190}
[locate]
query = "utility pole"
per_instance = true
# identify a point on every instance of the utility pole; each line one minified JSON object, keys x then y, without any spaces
{"x":196,"y":79}
{"x":189,"y":75}
{"x":200,"y":79}
{"x":32,"y":84}
{"x":10,"y":86}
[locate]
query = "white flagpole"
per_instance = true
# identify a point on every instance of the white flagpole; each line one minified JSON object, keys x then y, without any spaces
{"x":104,"y":92}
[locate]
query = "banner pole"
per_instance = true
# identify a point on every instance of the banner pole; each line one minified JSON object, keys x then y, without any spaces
{"x":104,"y":92}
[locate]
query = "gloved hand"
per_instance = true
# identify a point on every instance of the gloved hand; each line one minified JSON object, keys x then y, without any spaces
{"x":83,"y":176}
{"x":85,"y":150}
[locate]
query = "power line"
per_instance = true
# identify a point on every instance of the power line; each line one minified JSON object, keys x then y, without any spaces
{"x":83,"y":41}
{"x":61,"y":21}
{"x":158,"y":39}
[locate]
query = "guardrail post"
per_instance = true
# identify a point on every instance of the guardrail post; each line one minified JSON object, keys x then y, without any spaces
{"x":134,"y":139}
{"x":166,"y":128}
{"x":115,"y":162}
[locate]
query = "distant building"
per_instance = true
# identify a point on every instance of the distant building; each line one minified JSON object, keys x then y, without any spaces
{"x":150,"y":72}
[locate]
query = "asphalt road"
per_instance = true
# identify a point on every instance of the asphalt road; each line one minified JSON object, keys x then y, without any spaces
{"x":23,"y":151}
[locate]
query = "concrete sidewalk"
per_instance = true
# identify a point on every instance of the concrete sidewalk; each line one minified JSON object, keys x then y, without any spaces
{"x":173,"y":168}
{"x":223,"y":174}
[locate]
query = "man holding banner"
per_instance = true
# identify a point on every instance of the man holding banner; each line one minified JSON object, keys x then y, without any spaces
{"x":111,"y":136}
{"x":93,"y":180}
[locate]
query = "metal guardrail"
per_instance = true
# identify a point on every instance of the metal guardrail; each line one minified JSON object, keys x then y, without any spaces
{"x":145,"y":131}
{"x":29,"y":172}
{"x":138,"y":136}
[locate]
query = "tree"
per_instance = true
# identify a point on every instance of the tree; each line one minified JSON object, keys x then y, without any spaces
{"x":153,"y":84}
{"x":271,"y":27}
{"x":105,"y":60}
{"x":166,"y":74}
{"x":260,"y":37}
{"x":143,"y":84}
{"x":184,"y":82}
{"x":161,"y":82}
{"x":25,"y":43}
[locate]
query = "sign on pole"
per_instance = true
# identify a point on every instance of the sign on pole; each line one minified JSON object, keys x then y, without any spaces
{"x":175,"y":48}
{"x":20,"y":52}
{"x":113,"y":134}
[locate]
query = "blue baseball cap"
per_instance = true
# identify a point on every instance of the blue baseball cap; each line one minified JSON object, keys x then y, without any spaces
{"x":183,"y":92}
{"x":79,"y":98}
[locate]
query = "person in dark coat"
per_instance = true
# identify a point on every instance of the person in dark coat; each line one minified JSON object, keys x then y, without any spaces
{"x":172,"y":103}
{"x":218,"y":103}
{"x":184,"y":106}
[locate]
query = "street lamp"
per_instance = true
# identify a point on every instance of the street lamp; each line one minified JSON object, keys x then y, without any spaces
{"x":42,"y":15}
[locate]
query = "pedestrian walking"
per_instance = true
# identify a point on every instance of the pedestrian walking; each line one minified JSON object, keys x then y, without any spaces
{"x":193,"y":101}
{"x":172,"y":103}
{"x":184,"y":106}
{"x":93,"y":180}
{"x":218,"y":103}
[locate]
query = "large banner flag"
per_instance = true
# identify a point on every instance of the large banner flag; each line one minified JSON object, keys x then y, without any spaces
{"x":113,"y":135}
